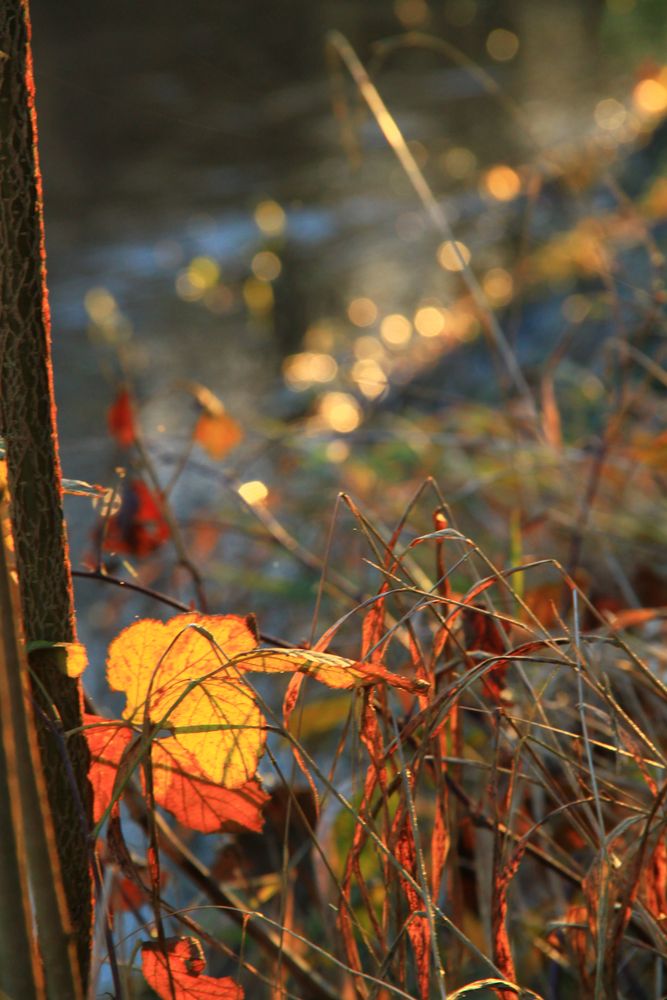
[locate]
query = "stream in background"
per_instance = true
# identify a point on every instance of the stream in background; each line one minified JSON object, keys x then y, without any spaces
{"x":202,"y":212}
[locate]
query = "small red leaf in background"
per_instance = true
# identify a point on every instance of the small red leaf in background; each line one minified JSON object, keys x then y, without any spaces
{"x":120,"y":419}
{"x":551,"y":422}
{"x":139,"y":527}
{"x":185,"y":961}
{"x":217,"y":433}
{"x":196,"y":801}
{"x":215,"y":430}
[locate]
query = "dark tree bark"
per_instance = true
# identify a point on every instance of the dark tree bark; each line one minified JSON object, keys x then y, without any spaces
{"x":27,"y":422}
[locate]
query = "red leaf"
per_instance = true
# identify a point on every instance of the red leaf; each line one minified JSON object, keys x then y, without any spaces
{"x":484,"y":632}
{"x":418,"y":926}
{"x":178,"y":783}
{"x":653,"y":889}
{"x":120,"y":419}
{"x":572,"y":938}
{"x":139,"y":527}
{"x":129,"y":895}
{"x":373,"y":628}
{"x":196,"y":801}
{"x":107,"y":742}
{"x":178,"y":975}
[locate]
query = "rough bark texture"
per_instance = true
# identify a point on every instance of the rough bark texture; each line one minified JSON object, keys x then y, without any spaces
{"x":27,"y":422}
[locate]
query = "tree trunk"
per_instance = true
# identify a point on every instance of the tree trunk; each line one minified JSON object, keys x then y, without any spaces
{"x":27,"y":422}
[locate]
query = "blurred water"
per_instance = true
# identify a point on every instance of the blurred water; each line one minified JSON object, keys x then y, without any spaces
{"x":162,"y":127}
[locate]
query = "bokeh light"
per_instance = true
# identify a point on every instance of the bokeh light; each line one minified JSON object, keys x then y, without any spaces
{"x":369,"y":377}
{"x":650,"y":97}
{"x":362,"y":312}
{"x":502,"y":45}
{"x":396,"y":330}
{"x":201,"y":274}
{"x":429,"y":321}
{"x":301,"y":371}
{"x":258,"y":296}
{"x":340,"y":411}
{"x":502,"y":182}
{"x":266,"y":265}
{"x":368,"y":347}
{"x":498,"y":286}
{"x":320,"y":336}
{"x":270,"y":218}
{"x":453,"y":255}
{"x":337,"y":451}
{"x":411,"y":13}
{"x":459,"y":162}
{"x":100,"y":305}
{"x":610,"y":114}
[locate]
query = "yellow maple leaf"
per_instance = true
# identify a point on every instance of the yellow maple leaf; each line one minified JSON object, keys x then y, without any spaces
{"x":174,"y":674}
{"x":156,"y":660}
{"x":221,"y":725}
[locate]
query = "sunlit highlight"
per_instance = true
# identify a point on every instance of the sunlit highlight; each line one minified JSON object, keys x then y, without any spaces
{"x":253,"y":492}
{"x":411,"y":13}
{"x":429,"y":321}
{"x":258,"y":296}
{"x":203,"y":272}
{"x":368,"y":347}
{"x":308,"y":368}
{"x":100,"y":305}
{"x":502,"y":182}
{"x":270,"y":218}
{"x":266,"y":265}
{"x":453,"y":255}
{"x":650,"y":97}
{"x":502,"y":45}
{"x":389,"y":128}
{"x":396,"y":330}
{"x":321,"y":336}
{"x":340,"y":411}
{"x":337,"y":451}
{"x":610,"y":114}
{"x":370,"y":378}
{"x":459,"y":162}
{"x":362,"y":312}
{"x":195,"y":280}
{"x":498,"y":286}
